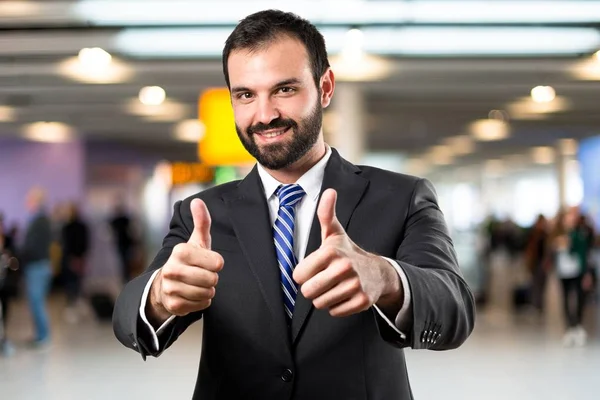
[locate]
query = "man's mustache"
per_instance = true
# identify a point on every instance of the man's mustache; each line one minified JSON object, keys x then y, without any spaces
{"x":275,"y":124}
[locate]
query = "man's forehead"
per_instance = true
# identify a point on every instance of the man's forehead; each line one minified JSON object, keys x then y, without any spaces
{"x":269,"y":64}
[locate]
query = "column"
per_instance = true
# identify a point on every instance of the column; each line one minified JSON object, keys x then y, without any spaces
{"x":347,"y":132}
{"x":561,"y":175}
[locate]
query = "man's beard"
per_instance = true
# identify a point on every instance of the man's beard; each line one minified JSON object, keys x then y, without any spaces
{"x":281,"y":155}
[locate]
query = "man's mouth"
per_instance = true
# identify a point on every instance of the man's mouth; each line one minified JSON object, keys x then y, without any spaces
{"x":272,"y":133}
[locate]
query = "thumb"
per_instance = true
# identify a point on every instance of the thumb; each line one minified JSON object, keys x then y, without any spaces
{"x":326,"y":213}
{"x":201,"y":234}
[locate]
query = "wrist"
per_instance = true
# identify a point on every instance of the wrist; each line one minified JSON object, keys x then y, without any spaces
{"x":155,"y":311}
{"x":392,"y":294}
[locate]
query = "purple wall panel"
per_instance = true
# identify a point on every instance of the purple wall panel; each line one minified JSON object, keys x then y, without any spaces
{"x":58,"y":168}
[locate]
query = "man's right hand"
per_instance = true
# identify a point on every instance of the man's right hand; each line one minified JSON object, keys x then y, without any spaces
{"x":186,"y":283}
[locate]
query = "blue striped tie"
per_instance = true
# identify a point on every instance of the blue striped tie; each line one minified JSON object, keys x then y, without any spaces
{"x":283,"y":234}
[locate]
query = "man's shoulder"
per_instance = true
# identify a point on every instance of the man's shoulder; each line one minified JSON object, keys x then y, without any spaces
{"x":387,"y":178}
{"x":213,"y":195}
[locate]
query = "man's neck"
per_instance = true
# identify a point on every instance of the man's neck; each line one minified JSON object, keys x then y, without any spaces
{"x":292,"y":173}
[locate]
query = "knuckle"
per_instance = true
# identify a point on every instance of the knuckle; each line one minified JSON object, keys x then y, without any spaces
{"x":355,"y":285}
{"x":211,"y":293}
{"x":219,"y":262}
{"x":345,"y":265}
{"x":180,"y":251}
{"x":363,"y":300}
{"x":174,"y":305}
{"x":168,"y":289}
{"x":213,"y":279}
{"x":205,"y":304}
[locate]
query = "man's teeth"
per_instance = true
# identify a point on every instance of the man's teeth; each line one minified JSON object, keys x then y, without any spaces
{"x":273,"y":134}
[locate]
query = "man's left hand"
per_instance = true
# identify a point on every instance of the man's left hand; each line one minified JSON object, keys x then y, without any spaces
{"x":342,"y":277}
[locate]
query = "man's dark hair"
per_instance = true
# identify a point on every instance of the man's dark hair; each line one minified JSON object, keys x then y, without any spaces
{"x":261,"y":28}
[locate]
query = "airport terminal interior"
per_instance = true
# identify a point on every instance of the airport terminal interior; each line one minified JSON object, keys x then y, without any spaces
{"x":111,"y":111}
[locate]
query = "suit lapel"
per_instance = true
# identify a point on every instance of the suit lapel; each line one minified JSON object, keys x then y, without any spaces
{"x":249,"y":213}
{"x":345,"y":179}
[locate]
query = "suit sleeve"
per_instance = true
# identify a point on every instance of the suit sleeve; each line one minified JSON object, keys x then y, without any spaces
{"x":128,"y":326}
{"x":442,"y":304}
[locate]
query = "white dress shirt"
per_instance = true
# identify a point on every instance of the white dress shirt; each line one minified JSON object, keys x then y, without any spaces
{"x":305,"y":212}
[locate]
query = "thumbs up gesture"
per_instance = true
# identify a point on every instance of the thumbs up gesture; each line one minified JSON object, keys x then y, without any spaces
{"x":188,"y":280}
{"x":340,"y":276}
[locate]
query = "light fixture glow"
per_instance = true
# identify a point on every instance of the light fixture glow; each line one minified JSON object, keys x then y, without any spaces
{"x":543,"y":155}
{"x":94,"y":58}
{"x":413,"y":40}
{"x":543,"y":94}
{"x":50,"y":132}
{"x":87,"y":71}
{"x":168,"y":111}
{"x":190,"y":130}
{"x":7,"y":114}
{"x":128,"y":12}
{"x":489,"y":130}
{"x":152,"y":95}
{"x":461,"y":145}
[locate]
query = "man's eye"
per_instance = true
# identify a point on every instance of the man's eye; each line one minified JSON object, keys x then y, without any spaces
{"x":286,"y":89}
{"x":245,"y":95}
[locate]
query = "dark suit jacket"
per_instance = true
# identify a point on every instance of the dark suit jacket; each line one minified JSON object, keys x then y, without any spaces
{"x":248,"y":350}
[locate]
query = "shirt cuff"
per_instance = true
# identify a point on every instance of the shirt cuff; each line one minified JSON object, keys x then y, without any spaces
{"x":154,"y":334}
{"x":403,"y":318}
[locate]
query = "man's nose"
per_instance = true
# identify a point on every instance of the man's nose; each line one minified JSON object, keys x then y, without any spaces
{"x":267,"y":111}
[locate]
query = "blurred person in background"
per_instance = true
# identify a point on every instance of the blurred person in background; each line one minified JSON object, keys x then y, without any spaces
{"x":538,"y":262}
{"x":35,"y":259}
{"x":380,"y":272}
{"x":570,"y":244}
{"x":75,"y":245}
{"x":8,"y":287}
{"x":122,"y":227}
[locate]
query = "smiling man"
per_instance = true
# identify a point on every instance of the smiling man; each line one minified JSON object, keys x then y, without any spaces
{"x":311,"y":274}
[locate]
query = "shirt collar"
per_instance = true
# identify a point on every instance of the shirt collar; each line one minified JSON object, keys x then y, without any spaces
{"x":311,"y":180}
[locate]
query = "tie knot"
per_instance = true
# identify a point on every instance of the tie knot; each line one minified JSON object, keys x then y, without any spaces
{"x":290,"y":194}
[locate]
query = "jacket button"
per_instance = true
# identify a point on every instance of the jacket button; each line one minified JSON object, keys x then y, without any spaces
{"x":287,"y":375}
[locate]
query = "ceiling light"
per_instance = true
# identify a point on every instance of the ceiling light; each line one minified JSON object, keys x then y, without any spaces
{"x":527,"y":108}
{"x":461,"y":145}
{"x":543,"y":94}
{"x":16,"y":9}
{"x":50,"y":132}
{"x":168,"y":111}
{"x":542,"y":155}
{"x":128,"y":12}
{"x":94,"y":58}
{"x":500,"y":115}
{"x":190,"y":130}
{"x":489,"y":130}
{"x":88,"y":71}
{"x":597,"y":55}
{"x":412,"y":40}
{"x":7,"y":114}
{"x":152,"y":95}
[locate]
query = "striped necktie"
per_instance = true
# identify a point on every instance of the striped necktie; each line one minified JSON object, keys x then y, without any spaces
{"x":283,"y":235}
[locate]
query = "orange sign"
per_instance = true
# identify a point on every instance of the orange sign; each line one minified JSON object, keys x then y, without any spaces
{"x":220,"y":145}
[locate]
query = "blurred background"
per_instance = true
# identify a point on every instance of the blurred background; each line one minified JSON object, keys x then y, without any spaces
{"x":110,"y":111}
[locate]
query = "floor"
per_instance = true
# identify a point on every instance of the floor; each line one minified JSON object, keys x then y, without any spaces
{"x":507,"y":357}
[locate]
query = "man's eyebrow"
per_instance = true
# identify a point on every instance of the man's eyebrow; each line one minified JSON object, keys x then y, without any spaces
{"x":285,"y":82}
{"x":238,"y":89}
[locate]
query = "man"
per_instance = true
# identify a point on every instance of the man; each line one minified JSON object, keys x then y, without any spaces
{"x":298,"y":306}
{"x":35,"y":256}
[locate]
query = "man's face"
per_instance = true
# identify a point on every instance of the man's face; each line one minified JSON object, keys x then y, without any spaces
{"x":278,"y":109}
